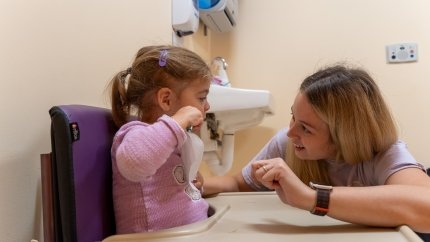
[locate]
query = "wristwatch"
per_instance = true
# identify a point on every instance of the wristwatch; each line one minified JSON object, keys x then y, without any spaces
{"x":323,"y":198}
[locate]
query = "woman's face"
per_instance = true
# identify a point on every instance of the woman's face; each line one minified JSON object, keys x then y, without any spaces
{"x":309,"y":134}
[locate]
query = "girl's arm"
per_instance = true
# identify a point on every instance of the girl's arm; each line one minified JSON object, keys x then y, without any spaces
{"x":144,"y":149}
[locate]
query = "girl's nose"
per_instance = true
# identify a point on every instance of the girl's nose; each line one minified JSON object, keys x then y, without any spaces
{"x":207,"y":106}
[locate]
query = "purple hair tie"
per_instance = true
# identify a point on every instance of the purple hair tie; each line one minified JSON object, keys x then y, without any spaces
{"x":163,"y":58}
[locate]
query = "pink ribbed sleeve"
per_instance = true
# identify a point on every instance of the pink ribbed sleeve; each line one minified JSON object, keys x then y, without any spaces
{"x":150,"y":187}
{"x":143,"y":150}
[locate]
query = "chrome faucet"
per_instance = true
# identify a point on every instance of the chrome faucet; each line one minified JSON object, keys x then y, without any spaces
{"x":220,"y":62}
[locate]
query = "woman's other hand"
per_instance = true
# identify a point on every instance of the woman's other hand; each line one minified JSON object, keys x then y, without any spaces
{"x":276,"y":174}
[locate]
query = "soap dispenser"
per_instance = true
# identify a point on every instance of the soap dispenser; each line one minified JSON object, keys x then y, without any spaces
{"x":220,"y":77}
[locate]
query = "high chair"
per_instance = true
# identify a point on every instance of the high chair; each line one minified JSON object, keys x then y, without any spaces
{"x":77,"y":176}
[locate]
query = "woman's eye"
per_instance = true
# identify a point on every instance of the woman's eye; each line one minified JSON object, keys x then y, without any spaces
{"x":305,"y":129}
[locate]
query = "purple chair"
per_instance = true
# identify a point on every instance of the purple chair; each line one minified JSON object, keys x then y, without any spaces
{"x":77,"y":175}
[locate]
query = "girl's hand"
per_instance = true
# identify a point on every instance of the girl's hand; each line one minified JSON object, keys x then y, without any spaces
{"x":199,"y":181}
{"x":188,"y":116}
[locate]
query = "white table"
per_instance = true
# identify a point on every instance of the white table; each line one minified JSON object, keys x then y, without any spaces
{"x":262,"y":217}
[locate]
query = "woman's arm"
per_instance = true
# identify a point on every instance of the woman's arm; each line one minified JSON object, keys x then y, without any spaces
{"x":405,"y":199}
{"x":275,"y":147}
{"x":217,"y":184}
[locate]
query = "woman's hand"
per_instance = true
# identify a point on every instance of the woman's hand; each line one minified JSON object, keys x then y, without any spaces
{"x":276,"y":174}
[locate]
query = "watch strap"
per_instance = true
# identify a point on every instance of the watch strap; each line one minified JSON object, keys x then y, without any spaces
{"x":323,"y":199}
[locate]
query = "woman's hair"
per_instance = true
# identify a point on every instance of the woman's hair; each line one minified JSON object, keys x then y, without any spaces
{"x":133,"y":90}
{"x":359,"y":121}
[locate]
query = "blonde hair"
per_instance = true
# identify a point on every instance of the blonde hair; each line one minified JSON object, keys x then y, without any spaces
{"x":359,"y":121}
{"x":133,"y":90}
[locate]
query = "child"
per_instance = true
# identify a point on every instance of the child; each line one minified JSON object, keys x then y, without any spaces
{"x":165,"y":89}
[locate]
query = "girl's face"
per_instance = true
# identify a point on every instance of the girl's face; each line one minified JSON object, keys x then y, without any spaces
{"x":195,"y":94}
{"x":309,"y":134}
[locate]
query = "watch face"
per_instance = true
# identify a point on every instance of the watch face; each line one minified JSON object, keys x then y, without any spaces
{"x":318,"y":186}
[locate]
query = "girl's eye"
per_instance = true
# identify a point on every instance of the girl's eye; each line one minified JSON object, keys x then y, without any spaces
{"x":202,"y":99}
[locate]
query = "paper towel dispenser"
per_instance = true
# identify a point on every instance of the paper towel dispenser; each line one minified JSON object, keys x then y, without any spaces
{"x":219,"y":15}
{"x":185,"y":17}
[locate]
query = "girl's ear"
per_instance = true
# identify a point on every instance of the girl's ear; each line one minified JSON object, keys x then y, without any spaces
{"x":165,"y":98}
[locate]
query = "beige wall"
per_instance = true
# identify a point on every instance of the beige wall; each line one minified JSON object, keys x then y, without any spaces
{"x":61,"y":52}
{"x":278,"y":42}
{"x":58,"y":52}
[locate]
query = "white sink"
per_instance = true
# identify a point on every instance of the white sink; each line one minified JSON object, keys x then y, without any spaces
{"x":229,"y":98}
{"x":231,"y":109}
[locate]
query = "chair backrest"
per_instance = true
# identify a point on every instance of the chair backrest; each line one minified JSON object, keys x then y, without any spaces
{"x":81,"y":138}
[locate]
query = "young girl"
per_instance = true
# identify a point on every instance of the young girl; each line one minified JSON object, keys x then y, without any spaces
{"x":154,"y":102}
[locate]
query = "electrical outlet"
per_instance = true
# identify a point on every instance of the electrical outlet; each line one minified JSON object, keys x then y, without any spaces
{"x":405,"y":52}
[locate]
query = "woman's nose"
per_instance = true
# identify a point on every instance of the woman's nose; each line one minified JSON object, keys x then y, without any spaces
{"x":292,"y":130}
{"x":289,"y":133}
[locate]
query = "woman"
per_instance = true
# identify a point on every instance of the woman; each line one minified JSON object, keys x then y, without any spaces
{"x":342,"y":140}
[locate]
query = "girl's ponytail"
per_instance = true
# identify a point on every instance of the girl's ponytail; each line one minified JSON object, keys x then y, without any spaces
{"x":119,"y":102}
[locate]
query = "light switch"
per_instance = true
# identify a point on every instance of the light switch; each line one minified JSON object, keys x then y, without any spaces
{"x":405,"y":52}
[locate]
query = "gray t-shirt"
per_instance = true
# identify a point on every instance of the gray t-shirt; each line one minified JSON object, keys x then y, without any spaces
{"x":369,"y":173}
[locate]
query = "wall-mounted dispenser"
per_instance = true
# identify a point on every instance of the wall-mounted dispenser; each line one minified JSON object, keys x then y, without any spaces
{"x":185,"y":16}
{"x":219,"y":15}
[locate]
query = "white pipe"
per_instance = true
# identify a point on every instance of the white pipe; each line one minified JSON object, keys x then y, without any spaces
{"x":221,"y":164}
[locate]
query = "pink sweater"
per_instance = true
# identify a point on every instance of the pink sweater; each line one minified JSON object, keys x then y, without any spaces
{"x":150,"y":190}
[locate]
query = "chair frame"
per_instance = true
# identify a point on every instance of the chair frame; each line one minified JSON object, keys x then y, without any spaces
{"x":76,"y":175}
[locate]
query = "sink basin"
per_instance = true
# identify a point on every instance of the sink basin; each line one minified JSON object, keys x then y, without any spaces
{"x":229,"y":98}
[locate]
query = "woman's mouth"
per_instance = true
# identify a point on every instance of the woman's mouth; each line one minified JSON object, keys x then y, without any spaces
{"x":299,"y":147}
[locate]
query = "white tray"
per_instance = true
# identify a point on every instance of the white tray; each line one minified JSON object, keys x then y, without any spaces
{"x":262,"y":217}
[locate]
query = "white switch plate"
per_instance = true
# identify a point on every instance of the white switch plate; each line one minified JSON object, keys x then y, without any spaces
{"x":405,"y":52}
